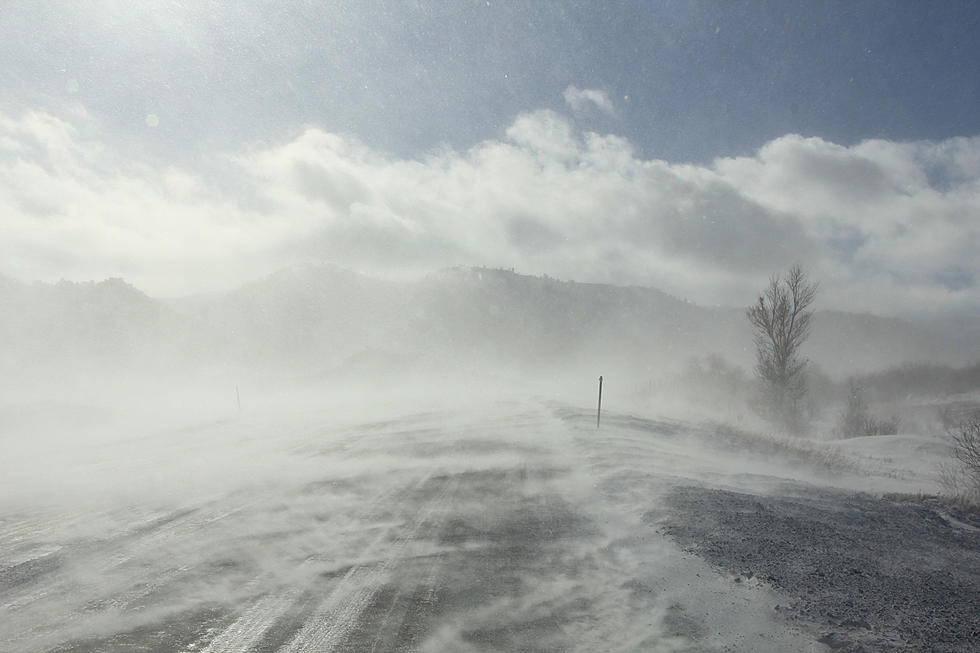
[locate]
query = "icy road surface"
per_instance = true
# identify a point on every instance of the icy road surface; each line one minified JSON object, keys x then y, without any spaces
{"x":516,"y":528}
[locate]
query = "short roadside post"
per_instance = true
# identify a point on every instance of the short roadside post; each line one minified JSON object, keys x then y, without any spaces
{"x":598,"y":410}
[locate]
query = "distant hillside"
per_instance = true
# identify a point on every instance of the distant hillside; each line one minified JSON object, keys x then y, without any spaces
{"x":322,"y":319}
{"x":76,"y":325}
{"x":848,"y":342}
{"x":542,"y":320}
{"x":311,"y":316}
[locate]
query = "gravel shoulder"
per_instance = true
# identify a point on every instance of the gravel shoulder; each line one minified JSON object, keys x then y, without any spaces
{"x":864,"y":573}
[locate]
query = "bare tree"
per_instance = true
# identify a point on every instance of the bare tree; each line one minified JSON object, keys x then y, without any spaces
{"x":781,"y":323}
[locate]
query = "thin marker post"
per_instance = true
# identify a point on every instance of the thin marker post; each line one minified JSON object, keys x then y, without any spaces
{"x":598,"y":410}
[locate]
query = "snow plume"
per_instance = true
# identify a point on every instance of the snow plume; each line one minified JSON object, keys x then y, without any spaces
{"x":885,"y":227}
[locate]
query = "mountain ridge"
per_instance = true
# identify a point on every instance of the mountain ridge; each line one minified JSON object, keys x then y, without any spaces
{"x":322,"y":317}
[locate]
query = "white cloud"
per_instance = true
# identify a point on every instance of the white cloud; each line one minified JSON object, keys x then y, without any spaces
{"x":582,"y":99}
{"x":891,"y":219}
{"x":546,"y":133}
{"x":885,"y":227}
{"x":72,"y":208}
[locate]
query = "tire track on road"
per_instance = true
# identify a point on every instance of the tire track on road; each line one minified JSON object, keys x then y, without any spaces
{"x":337,"y":616}
{"x":92,"y":576}
{"x":251,"y":626}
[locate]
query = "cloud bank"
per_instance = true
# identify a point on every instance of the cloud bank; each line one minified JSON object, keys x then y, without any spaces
{"x":583,"y":99}
{"x":885,"y":227}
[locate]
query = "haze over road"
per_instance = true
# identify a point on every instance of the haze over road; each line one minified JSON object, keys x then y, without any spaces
{"x":510,"y":527}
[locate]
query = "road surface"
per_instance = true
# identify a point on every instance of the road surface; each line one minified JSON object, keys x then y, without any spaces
{"x":516,"y":528}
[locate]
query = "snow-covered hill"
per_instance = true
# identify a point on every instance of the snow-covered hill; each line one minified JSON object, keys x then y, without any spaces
{"x":319,"y":319}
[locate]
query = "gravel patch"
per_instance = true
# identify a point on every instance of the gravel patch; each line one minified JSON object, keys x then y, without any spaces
{"x":867,"y":573}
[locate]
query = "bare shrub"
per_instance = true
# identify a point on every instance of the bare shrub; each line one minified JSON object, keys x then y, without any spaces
{"x":856,"y":419}
{"x":961,"y":477}
{"x":714,"y":382}
{"x":882,"y":426}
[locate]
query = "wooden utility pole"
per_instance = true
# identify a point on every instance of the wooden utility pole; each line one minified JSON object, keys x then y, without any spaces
{"x":598,"y":410}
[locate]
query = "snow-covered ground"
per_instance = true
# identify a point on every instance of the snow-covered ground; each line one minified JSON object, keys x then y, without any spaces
{"x":492,"y":524}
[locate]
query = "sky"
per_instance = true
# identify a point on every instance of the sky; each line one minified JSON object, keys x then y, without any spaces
{"x":696,"y":147}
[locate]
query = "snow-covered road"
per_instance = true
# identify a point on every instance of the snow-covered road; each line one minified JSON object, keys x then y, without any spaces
{"x":515,"y":527}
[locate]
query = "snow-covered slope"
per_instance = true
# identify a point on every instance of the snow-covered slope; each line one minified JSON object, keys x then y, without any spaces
{"x":322,"y":318}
